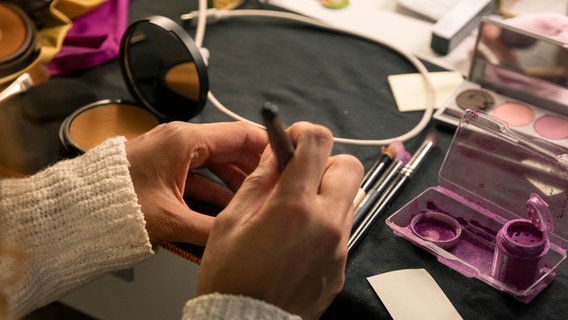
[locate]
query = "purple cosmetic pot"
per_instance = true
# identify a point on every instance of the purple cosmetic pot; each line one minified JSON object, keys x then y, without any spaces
{"x":521,"y":244}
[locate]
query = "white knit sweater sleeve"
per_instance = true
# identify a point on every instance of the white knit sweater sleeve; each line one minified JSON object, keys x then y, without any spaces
{"x":73,"y":222}
{"x":217,"y":306}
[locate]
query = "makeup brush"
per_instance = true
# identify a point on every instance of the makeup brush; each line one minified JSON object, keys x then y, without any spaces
{"x":363,"y":208}
{"x":379,"y":167}
{"x":392,"y":190}
{"x":36,"y":75}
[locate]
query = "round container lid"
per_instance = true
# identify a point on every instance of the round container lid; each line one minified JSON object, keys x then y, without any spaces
{"x":539,"y":213}
{"x":438,"y":228}
{"x":163,"y":68}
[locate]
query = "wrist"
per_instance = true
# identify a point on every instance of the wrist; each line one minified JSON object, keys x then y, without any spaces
{"x":228,"y":306}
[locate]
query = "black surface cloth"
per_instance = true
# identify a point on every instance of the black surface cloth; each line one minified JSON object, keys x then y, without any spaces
{"x":339,"y":82}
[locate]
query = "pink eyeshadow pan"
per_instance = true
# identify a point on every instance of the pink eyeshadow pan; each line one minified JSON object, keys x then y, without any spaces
{"x":552,"y":127}
{"x":514,"y":113}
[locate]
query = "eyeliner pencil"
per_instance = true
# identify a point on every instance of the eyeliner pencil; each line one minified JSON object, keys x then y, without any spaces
{"x":366,"y":204}
{"x":393,"y":190}
{"x":279,"y":141}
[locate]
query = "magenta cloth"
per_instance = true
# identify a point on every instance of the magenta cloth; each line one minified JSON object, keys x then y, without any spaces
{"x":93,"y":39}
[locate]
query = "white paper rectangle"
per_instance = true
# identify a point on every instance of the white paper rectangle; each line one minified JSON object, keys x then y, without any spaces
{"x":412,"y":294}
{"x":409,"y":90}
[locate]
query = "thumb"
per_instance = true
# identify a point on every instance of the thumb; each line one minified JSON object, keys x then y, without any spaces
{"x":199,"y":224}
{"x":175,"y":222}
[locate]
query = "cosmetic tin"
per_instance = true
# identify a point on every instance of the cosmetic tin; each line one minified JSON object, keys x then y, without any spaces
{"x":17,"y":39}
{"x":489,"y":176}
{"x":90,"y":125}
{"x":519,"y":77}
{"x":164,"y":72}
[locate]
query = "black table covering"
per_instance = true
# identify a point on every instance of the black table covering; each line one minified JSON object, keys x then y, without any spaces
{"x":312,"y":75}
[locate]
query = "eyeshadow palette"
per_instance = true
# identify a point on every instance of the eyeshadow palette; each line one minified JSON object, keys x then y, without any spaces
{"x":520,"y":78}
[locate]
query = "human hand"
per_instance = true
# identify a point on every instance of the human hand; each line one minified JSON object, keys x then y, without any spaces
{"x":283,"y":237}
{"x":161,"y":164}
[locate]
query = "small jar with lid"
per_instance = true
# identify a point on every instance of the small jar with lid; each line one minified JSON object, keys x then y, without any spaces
{"x":521,"y":244}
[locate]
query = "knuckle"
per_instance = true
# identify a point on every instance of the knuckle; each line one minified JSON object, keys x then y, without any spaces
{"x":255,"y":180}
{"x":301,"y":211}
{"x":352,"y":163}
{"x":334,"y":234}
{"x":315,"y":132}
{"x":169,"y":130}
{"x":243,"y":124}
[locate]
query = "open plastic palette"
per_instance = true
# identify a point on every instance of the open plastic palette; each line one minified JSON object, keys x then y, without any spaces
{"x":485,"y":181}
{"x":518,"y":76}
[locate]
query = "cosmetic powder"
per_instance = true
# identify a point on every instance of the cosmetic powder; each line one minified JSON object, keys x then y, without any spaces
{"x":438,"y":228}
{"x":434,"y":230}
{"x":93,"y":125}
{"x":12,"y":32}
{"x":524,"y":234}
{"x":514,"y":113}
{"x":473,"y":98}
{"x":17,"y":39}
{"x":552,"y":127}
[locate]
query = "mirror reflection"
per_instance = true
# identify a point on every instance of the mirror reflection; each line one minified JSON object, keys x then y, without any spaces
{"x":183,"y":80}
{"x":521,"y":64}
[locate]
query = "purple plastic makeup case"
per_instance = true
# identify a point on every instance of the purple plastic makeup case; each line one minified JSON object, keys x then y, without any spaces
{"x":487,"y":177}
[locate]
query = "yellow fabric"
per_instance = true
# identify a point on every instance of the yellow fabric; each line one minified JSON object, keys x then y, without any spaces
{"x":75,"y":8}
{"x":48,"y":40}
{"x":57,"y":20}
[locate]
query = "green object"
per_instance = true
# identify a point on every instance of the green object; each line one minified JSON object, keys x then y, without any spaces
{"x":335,"y":4}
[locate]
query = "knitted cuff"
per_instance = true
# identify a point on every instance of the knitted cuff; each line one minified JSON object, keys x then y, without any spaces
{"x":218,"y":306}
{"x":73,"y":222}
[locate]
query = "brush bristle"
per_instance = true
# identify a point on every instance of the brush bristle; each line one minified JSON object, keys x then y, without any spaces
{"x":39,"y":74}
{"x":403,"y":156}
{"x":393,"y":149}
{"x":433,"y":138}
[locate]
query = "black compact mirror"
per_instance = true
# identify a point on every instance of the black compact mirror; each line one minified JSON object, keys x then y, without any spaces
{"x":164,"y":68}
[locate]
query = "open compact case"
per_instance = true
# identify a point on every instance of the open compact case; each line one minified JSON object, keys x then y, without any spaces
{"x":519,"y":77}
{"x":165,"y":73}
{"x":500,"y":211}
